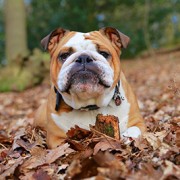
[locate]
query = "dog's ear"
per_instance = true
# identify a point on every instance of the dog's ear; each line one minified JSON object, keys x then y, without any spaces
{"x":117,"y":37}
{"x":53,"y":38}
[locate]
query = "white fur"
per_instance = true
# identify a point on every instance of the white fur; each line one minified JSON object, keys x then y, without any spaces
{"x":101,"y":101}
{"x":79,"y":43}
{"x":83,"y":118}
{"x":133,"y":132}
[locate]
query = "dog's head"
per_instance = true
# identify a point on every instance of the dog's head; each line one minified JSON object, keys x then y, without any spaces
{"x":85,"y":67}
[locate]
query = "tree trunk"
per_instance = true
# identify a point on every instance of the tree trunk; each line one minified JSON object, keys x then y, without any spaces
{"x":15,"y":29}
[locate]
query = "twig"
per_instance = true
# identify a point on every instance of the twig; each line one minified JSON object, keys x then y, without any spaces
{"x":3,"y":146}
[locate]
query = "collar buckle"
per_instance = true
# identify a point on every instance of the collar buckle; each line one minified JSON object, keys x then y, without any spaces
{"x":117,"y":95}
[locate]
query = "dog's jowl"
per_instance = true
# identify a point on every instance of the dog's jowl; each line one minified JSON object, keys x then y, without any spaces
{"x":86,"y":80}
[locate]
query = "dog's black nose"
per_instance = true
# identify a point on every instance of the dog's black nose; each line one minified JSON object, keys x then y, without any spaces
{"x":84,"y":59}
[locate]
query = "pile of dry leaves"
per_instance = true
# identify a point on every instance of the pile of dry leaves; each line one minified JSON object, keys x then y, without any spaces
{"x":84,"y":154}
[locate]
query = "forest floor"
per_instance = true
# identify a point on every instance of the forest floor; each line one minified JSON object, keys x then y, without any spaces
{"x":156,"y":82}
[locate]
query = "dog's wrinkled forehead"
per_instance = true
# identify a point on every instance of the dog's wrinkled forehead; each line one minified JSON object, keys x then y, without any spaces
{"x":85,"y":41}
{"x":80,"y":43}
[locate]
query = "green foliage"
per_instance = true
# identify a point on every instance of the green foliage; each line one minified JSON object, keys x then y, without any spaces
{"x":150,"y":24}
{"x":13,"y":79}
{"x":44,"y":16}
{"x":24,"y":73}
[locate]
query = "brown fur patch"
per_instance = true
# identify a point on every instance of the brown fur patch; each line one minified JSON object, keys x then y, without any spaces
{"x":135,"y":118}
{"x":55,"y":63}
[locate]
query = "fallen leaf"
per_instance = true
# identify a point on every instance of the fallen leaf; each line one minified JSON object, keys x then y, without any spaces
{"x":76,"y":145}
{"x":41,"y":157}
{"x":40,"y":174}
{"x":153,"y":140}
{"x":74,"y":168}
{"x":25,"y":144}
{"x":106,"y":144}
{"x":77,"y":133}
{"x":17,"y":136}
{"x":37,"y":159}
{"x":10,"y":167}
{"x":54,"y":154}
{"x":170,"y":169}
{"x":5,"y":140}
{"x":150,"y":172}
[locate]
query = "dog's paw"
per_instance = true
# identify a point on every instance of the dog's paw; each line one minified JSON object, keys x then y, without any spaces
{"x":133,"y":132}
{"x":130,"y":134}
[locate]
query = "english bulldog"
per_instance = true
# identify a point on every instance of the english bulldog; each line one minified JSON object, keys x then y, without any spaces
{"x":87,"y":80}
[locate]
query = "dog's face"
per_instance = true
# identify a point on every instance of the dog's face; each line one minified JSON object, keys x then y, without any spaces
{"x":85,"y":67}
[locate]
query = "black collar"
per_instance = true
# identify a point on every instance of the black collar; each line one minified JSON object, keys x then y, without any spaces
{"x":117,"y":99}
{"x":58,"y":99}
{"x":90,"y":108}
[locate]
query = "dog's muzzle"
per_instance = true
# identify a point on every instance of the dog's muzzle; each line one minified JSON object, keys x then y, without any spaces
{"x":84,"y":73}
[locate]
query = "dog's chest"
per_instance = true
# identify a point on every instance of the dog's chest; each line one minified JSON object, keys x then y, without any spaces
{"x":84,"y":118}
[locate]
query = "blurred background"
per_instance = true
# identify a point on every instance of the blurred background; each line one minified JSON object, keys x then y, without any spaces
{"x":152,"y":25}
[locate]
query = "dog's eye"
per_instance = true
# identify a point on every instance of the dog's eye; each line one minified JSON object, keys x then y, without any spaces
{"x":104,"y":54}
{"x":64,"y":56}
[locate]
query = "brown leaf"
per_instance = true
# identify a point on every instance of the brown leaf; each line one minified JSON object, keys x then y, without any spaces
{"x":108,"y":173}
{"x":74,"y":168}
{"x":86,"y":168}
{"x":141,"y":143}
{"x":161,"y":135}
{"x":76,"y":145}
{"x":37,"y":159}
{"x":4,"y":139}
{"x":150,"y":172}
{"x":170,"y":169}
{"x":11,"y":166}
{"x":40,"y":174}
{"x":3,"y":155}
{"x":77,"y":133}
{"x":27,"y":176}
{"x":153,"y":140}
{"x":17,"y":136}
{"x":103,"y":158}
{"x":86,"y":153}
{"x":110,"y":166}
{"x":54,"y":154}
{"x":25,"y":144}
{"x":41,"y":157}
{"x":106,"y":144}
{"x":178,"y":138}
